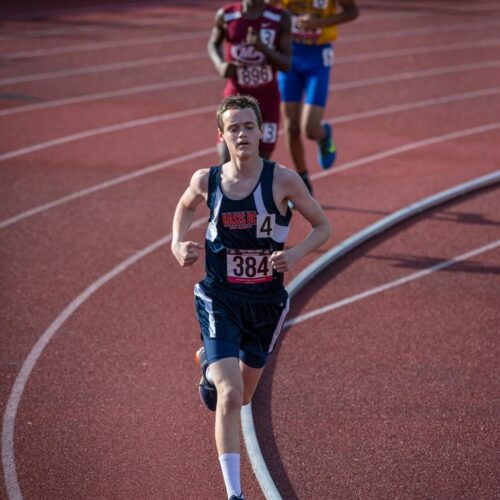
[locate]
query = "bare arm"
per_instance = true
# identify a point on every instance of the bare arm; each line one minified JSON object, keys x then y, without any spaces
{"x":226,"y":69}
{"x":291,"y":187}
{"x":215,"y":47}
{"x":186,"y":252}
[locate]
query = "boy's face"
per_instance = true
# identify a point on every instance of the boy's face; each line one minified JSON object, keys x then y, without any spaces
{"x":241,"y":132}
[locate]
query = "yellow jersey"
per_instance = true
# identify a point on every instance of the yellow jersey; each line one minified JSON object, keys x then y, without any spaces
{"x":317,"y":8}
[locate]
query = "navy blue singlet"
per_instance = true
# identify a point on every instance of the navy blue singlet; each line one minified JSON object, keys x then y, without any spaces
{"x":241,"y":236}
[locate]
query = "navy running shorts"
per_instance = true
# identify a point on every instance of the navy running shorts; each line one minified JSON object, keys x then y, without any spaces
{"x":236,"y":326}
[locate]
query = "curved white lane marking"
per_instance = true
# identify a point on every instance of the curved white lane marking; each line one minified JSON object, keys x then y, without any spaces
{"x":8,"y":459}
{"x":85,"y":47}
{"x":391,"y":284}
{"x":410,"y":75}
{"x":76,"y":10}
{"x":189,"y":56}
{"x":107,"y":184}
{"x":443,"y":28}
{"x":131,"y":91}
{"x":337,"y":87}
{"x":151,"y":87}
{"x":212,"y":150}
{"x":107,"y":130}
{"x":408,"y":147}
{"x":320,"y":264}
{"x":101,"y":68}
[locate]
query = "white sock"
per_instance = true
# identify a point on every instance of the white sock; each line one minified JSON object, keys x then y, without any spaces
{"x":230,"y":465}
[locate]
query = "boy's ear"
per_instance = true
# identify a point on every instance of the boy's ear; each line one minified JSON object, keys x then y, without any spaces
{"x":220,"y":134}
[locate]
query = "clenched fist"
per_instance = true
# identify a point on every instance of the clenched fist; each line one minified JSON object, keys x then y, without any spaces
{"x":186,"y":252}
{"x":283,"y":261}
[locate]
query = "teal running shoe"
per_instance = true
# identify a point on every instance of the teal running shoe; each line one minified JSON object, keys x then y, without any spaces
{"x":327,"y":151}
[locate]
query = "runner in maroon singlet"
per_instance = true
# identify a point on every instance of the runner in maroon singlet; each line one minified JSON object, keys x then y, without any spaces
{"x":249,"y":42}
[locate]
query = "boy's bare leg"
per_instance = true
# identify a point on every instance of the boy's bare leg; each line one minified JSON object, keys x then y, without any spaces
{"x":227,"y":378}
{"x":311,"y":122}
{"x":251,"y":377}
{"x":291,"y":113}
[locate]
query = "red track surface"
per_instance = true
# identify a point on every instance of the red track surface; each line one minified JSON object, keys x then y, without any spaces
{"x":395,"y":395}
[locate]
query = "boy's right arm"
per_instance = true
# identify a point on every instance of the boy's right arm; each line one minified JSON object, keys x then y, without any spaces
{"x":186,"y":252}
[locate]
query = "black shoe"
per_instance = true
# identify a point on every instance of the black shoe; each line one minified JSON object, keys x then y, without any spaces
{"x":208,"y":392}
{"x":234,"y":497}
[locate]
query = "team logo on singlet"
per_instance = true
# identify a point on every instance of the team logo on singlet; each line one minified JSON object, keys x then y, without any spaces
{"x":247,"y":54}
{"x":239,"y":220}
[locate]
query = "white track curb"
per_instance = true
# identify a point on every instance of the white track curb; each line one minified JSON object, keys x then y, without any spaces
{"x":250,"y":436}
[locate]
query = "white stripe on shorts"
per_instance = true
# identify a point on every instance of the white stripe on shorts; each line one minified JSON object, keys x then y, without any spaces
{"x":277,"y":332}
{"x":208,"y":308}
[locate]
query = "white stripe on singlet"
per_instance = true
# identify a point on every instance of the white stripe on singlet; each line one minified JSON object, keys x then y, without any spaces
{"x":231,"y":16}
{"x":212,"y":226}
{"x":272,"y":16}
{"x":279,"y":232}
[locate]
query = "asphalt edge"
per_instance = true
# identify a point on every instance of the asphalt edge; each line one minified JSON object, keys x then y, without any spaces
{"x":254,"y":452}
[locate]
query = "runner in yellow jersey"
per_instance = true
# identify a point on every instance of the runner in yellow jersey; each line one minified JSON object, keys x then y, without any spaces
{"x":304,"y":88}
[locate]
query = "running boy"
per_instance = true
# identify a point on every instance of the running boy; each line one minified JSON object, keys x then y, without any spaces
{"x":241,"y":304}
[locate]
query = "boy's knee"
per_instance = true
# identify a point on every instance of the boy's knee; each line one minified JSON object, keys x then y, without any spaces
{"x":231,"y":399}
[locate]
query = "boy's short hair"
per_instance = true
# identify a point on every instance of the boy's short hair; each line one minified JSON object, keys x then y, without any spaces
{"x":238,"y":102}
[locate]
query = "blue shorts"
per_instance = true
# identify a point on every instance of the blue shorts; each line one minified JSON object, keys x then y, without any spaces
{"x":309,"y":74}
{"x":235,"y":326}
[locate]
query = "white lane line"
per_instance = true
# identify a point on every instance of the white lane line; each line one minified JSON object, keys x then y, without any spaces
{"x":151,"y":87}
{"x":98,"y":28}
{"x":409,"y":147}
{"x":310,"y":272}
{"x":410,"y":75}
{"x":212,"y":78}
{"x":453,"y":8}
{"x":175,"y":161}
{"x":8,"y":459}
{"x":445,"y":28}
{"x":84,"y":47}
{"x":77,"y":10}
{"x":107,"y":184}
{"x":435,"y":101}
{"x":106,"y":130}
{"x":169,"y":116}
{"x":189,"y":56}
{"x":100,"y":68}
{"x":391,"y":284}
{"x":424,"y":49}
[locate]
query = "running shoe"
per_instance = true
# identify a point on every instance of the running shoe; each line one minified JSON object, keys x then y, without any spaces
{"x":327,"y":151}
{"x":208,"y":392}
{"x":240,"y":497}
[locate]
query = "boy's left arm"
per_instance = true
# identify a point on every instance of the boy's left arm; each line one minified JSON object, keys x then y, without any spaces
{"x":292,"y":188}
